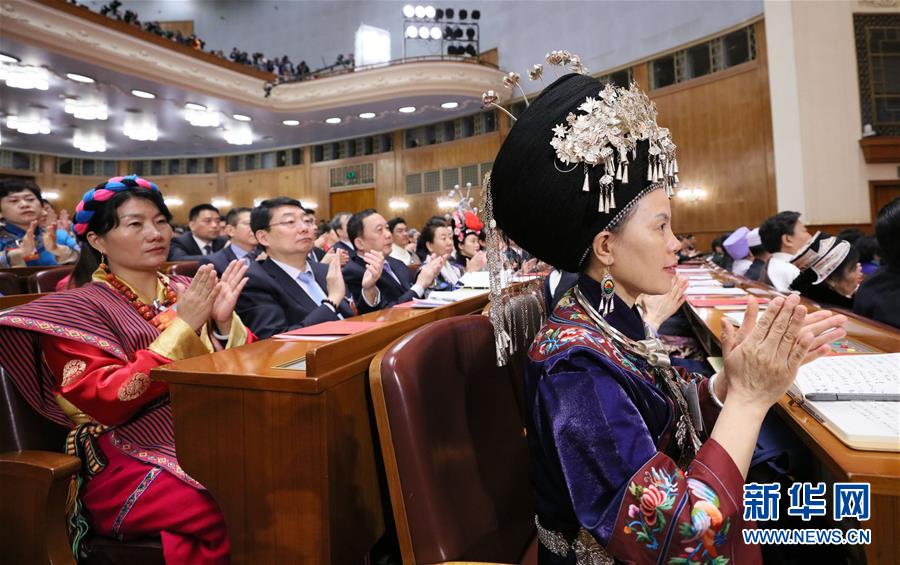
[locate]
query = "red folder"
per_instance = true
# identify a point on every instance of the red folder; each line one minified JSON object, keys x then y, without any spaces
{"x":724,"y":301}
{"x":339,"y":327}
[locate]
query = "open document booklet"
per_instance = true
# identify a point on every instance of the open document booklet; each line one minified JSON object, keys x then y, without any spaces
{"x":857,"y":397}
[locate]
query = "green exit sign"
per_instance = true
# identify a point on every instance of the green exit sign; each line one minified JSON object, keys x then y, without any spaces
{"x":351,"y":175}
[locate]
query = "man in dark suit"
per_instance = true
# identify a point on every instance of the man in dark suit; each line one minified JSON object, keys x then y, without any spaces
{"x":345,"y":242}
{"x":286,"y":291}
{"x":203,"y":239}
{"x":242,"y":242}
{"x":374,"y":279}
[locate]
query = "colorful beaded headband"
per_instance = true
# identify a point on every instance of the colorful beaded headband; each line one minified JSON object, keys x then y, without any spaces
{"x":92,"y":199}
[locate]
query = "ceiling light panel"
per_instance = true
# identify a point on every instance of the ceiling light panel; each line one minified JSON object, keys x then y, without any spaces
{"x":89,"y":142}
{"x":143,"y":94}
{"x":79,"y":78}
{"x":24,"y":77}
{"x":86,"y":109}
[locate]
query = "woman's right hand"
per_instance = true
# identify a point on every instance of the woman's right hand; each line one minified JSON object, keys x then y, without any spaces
{"x":762,"y":367}
{"x":196,"y":301}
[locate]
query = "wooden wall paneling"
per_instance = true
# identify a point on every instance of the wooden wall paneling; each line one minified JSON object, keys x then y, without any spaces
{"x":881,"y":192}
{"x":71,"y":188}
{"x":352,"y":200}
{"x":192,"y":189}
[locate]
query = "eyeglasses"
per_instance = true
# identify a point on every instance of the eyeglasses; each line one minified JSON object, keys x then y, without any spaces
{"x":291,"y":224}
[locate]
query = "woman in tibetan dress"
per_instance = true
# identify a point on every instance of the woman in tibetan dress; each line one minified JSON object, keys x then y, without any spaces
{"x":83,"y":357}
{"x":633,"y":460}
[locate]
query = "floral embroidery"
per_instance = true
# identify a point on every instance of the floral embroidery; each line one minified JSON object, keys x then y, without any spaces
{"x":136,"y":385}
{"x":706,"y":530}
{"x":72,"y":371}
{"x":655,"y":497}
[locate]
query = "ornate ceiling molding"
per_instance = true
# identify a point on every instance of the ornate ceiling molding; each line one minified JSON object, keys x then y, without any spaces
{"x":77,"y":37}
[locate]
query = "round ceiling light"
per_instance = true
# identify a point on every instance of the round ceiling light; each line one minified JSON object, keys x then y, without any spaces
{"x":291,"y":122}
{"x":407,"y":109}
{"x":449,"y":105}
{"x":333,"y":121}
{"x":367,"y":115}
{"x":242,"y":118}
{"x":143,"y":94}
{"x":79,"y":78}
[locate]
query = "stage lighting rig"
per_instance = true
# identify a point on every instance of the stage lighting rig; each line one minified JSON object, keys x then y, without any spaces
{"x":456,"y":29}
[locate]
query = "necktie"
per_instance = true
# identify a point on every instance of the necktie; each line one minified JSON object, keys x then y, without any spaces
{"x":388,"y":270}
{"x":207,"y":249}
{"x":312,"y":288}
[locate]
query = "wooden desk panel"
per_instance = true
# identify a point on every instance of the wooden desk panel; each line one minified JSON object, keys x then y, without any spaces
{"x":290,"y":455}
{"x":880,"y":469}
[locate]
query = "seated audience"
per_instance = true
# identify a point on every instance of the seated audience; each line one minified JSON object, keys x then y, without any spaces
{"x":438,"y":240}
{"x":401,"y":248}
{"x":63,"y":224}
{"x":719,"y":256}
{"x":23,"y":242}
{"x":869,"y":254}
{"x":851,"y":235}
{"x":325,"y":236}
{"x":760,"y":255}
{"x":829,"y":271}
{"x":374,"y":279}
{"x":783,"y":235}
{"x":345,"y":242}
{"x":739,"y":250}
{"x":287,"y":291}
{"x":421,"y":250}
{"x":83,"y":356}
{"x":467,"y":228}
{"x":203,"y":237}
{"x":878,"y":297}
{"x":241,"y":241}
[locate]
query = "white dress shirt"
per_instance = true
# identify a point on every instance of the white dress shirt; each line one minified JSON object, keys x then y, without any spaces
{"x":316,"y":294}
{"x":740,"y":266}
{"x":202,"y":245}
{"x":781,"y":271}
{"x":401,"y":254}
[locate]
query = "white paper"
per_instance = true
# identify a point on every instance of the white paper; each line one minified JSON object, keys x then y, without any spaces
{"x":863,"y":425}
{"x":737,"y":318}
{"x":714,"y":291}
{"x":851,"y":374}
{"x":703,"y":282}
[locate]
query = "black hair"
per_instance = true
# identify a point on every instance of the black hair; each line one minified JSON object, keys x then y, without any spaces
{"x":323,"y":228}
{"x":867,"y":246}
{"x":887,"y":230}
{"x":9,"y":185}
{"x":427,"y":234}
{"x":822,"y":292}
{"x":336,"y":221}
{"x":261,"y":216}
{"x":195,"y":211}
{"x":355,"y":223}
{"x":231,"y":218}
{"x":851,"y":235}
{"x":757,"y":250}
{"x":105,"y":219}
{"x":394,"y":222}
{"x":771,"y":230}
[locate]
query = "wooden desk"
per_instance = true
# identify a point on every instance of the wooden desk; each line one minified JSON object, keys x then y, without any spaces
{"x":18,"y":299}
{"x":880,"y":469}
{"x":289,"y":455}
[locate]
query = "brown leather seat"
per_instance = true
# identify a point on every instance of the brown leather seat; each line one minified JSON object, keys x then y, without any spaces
{"x":454,"y":447}
{"x":9,"y":284}
{"x":34,"y":481}
{"x":45,"y":281}
{"x":184,"y":268}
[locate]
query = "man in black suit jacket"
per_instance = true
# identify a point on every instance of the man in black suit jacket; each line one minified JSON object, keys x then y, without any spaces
{"x":242,"y":241}
{"x":286,"y":291}
{"x":203,"y":239}
{"x":345,"y":242}
{"x":373,"y":278}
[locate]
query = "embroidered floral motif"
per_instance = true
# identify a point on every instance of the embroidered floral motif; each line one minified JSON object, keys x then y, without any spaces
{"x":72,"y":371}
{"x":655,"y":497}
{"x":706,"y":531}
{"x":136,"y":385}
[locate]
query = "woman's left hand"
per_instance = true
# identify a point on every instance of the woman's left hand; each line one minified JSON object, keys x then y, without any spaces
{"x":229,"y":289}
{"x":659,"y":308}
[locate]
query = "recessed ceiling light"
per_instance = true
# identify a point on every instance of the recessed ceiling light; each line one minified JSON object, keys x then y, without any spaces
{"x":79,"y":78}
{"x":242,"y":118}
{"x":449,"y":105}
{"x":4,"y":58}
{"x":291,"y":122}
{"x":367,"y":115}
{"x":333,"y":121}
{"x":143,"y":94}
{"x":193,"y":106}
{"x":407,"y":109}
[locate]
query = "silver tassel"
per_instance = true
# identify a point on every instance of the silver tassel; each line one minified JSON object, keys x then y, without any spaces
{"x":649,"y":170}
{"x":612,"y":197}
{"x":619,"y":171}
{"x":625,"y":174}
{"x":675,"y":166}
{"x":586,"y":187}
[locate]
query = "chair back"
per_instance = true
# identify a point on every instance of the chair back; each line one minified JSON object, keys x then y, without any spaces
{"x":21,"y":428}
{"x":454,"y":446}
{"x":9,"y":284}
{"x":45,"y":281}
{"x":184,"y":268}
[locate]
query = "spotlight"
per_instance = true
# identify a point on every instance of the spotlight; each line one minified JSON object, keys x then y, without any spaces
{"x":463,"y":14}
{"x":470,"y":33}
{"x":458,"y":33}
{"x":449,"y":13}
{"x":470,"y":50}
{"x":420,"y":11}
{"x":409,"y":11}
{"x":476,"y":14}
{"x":435,"y":32}
{"x":412,"y":32}
{"x":424,"y":32}
{"x":439,"y":14}
{"x":454,"y":50}
{"x":430,"y":12}
{"x":448,"y":32}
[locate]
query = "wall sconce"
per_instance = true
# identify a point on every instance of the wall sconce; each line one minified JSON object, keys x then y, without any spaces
{"x":220,"y":203}
{"x":173,"y":201}
{"x":398,"y":204}
{"x":309,"y":204}
{"x":691,"y":194}
{"x":50,"y":194}
{"x":445,"y":203}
